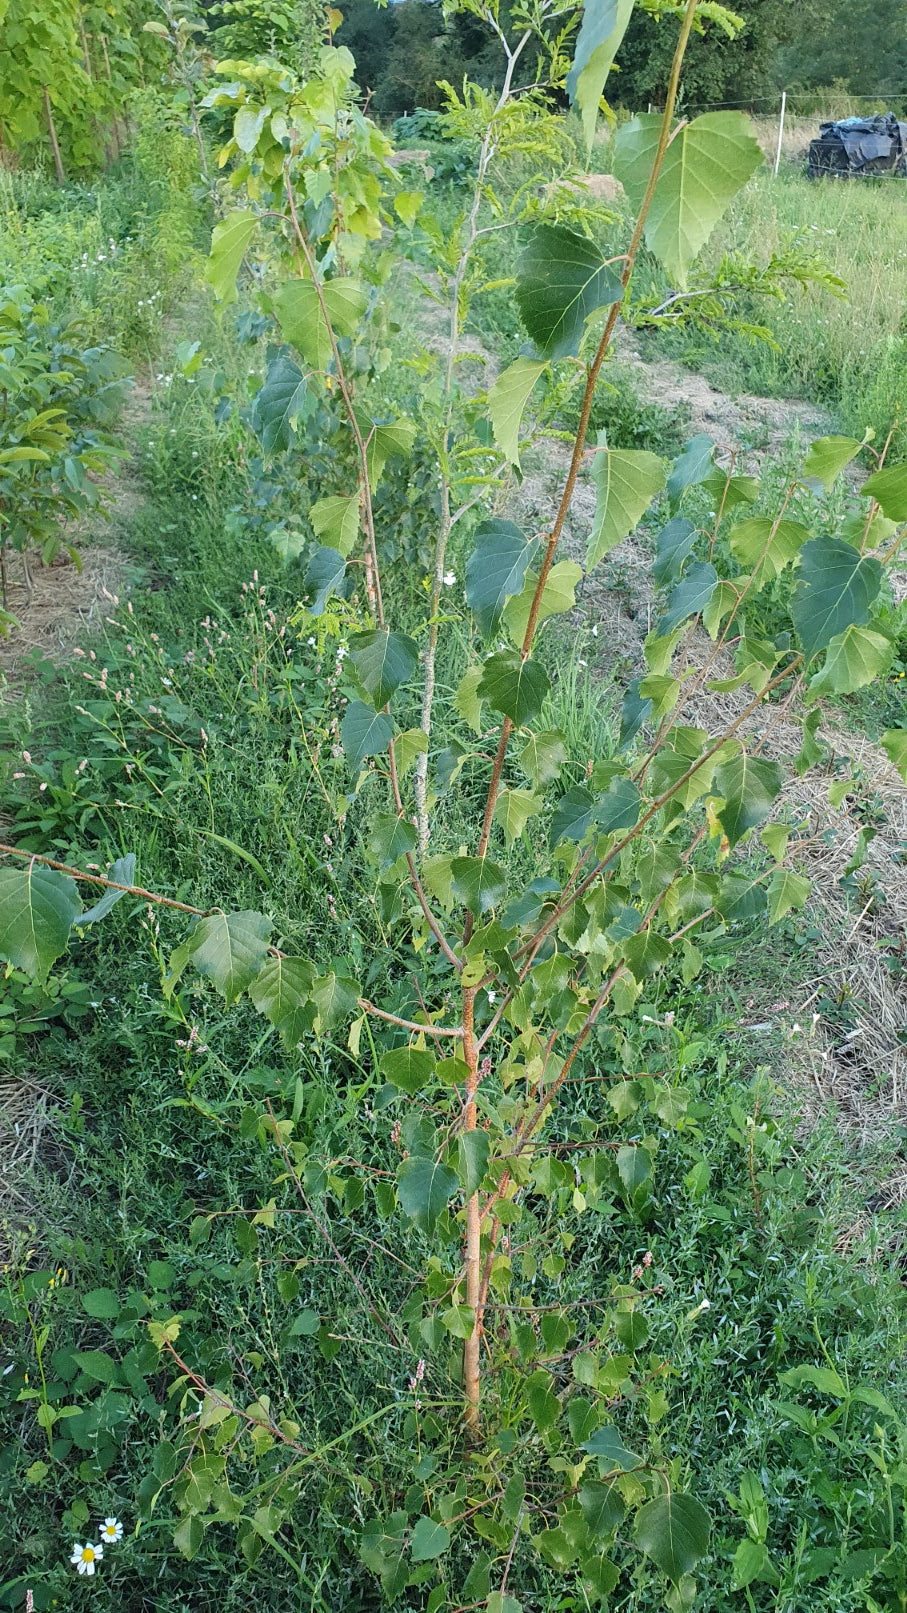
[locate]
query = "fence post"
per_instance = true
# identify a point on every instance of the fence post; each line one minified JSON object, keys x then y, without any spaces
{"x":780,"y":132}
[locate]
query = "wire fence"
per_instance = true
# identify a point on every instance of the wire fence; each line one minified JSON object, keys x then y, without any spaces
{"x":823,"y":97}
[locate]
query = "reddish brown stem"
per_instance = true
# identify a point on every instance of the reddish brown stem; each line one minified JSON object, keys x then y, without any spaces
{"x":579,"y":443}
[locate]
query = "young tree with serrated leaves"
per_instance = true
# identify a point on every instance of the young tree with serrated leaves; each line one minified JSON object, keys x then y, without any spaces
{"x":583,"y":879}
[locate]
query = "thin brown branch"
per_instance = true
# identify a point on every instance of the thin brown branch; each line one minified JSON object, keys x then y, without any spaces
{"x":108,"y":884}
{"x":410,"y":1024}
{"x":223,"y":1400}
{"x":660,"y":801}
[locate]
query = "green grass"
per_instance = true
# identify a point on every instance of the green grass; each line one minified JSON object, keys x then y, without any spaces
{"x":157,"y":1161}
{"x":848,"y":353}
{"x":114,"y":253}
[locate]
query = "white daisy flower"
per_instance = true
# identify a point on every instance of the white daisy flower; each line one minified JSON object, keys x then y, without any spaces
{"x":84,"y":1557}
{"x":111,"y":1531}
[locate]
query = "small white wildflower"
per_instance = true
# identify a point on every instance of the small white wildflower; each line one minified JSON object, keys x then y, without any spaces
{"x":111,"y":1531}
{"x":84,"y":1557}
{"x":492,"y":996}
{"x":703,"y":1305}
{"x":450,"y":578}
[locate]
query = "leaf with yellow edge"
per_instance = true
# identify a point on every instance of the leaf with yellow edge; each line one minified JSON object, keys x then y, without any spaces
{"x":603,"y":27}
{"x":894,"y":744}
{"x":853,"y":659}
{"x":506,"y":402}
{"x":513,"y":809}
{"x":406,"y":206}
{"x":467,"y":699}
{"x":229,"y":242}
{"x":626,"y":482}
{"x":786,"y":891}
{"x":707,"y":162}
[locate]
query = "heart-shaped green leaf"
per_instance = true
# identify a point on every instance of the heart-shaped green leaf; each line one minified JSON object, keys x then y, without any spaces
{"x":562,"y":279}
{"x":38,"y":908}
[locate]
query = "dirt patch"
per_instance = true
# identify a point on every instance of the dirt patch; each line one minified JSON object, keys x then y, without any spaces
{"x":62,"y":603}
{"x":854,"y":1018}
{"x":25,"y":1108}
{"x":28,"y":1144}
{"x":758,"y":425}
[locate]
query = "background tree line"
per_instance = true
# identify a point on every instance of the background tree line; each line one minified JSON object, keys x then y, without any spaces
{"x":855,"y":46}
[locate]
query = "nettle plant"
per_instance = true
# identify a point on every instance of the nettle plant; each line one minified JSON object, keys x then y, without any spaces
{"x":532,"y":939}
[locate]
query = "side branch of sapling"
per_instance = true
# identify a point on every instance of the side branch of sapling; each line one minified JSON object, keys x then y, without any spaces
{"x":446,"y":518}
{"x":106,"y":884}
{"x":373,"y":580}
{"x":562,"y":907}
{"x":698,"y":683}
{"x":373,"y":575}
{"x":586,"y":884}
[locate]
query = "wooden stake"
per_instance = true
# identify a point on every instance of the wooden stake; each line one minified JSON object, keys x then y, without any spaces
{"x":54,"y":142}
{"x":472,"y":1253}
{"x":118,"y":141}
{"x":86,"y":57}
{"x":780,"y":132}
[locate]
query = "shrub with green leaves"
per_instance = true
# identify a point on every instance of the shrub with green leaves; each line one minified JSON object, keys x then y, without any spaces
{"x":526,"y":940}
{"x":59,"y":400}
{"x":65,"y":74}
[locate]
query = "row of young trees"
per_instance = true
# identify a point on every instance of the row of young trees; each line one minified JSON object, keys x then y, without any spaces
{"x":66,"y":73}
{"x":68,"y":70}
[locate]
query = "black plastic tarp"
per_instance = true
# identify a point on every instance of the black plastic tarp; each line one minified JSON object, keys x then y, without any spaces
{"x":859,"y":146}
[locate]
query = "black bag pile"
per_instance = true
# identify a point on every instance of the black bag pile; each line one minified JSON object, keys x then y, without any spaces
{"x":859,"y":147}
